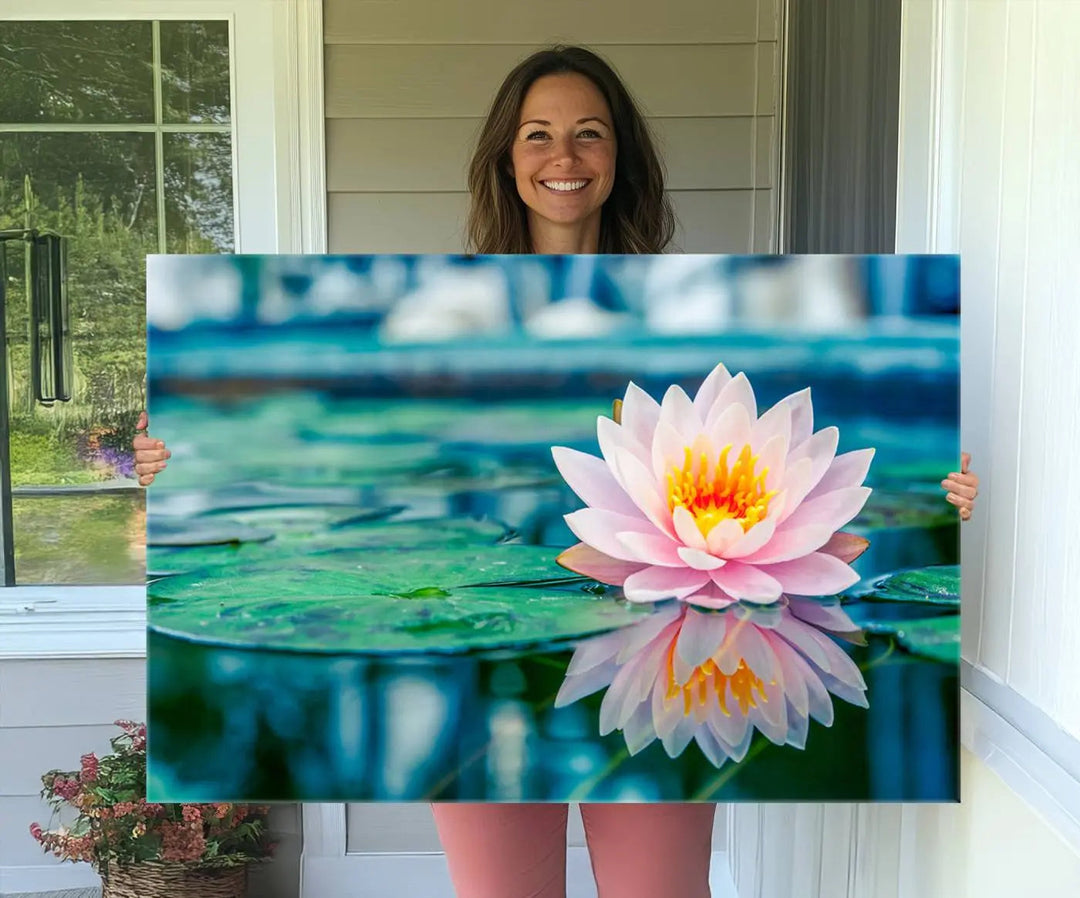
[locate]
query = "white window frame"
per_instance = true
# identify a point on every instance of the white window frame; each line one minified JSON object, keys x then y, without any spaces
{"x":279,"y":168}
{"x":1010,"y":734}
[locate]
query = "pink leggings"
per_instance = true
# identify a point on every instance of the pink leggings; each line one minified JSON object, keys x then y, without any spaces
{"x":519,"y":850}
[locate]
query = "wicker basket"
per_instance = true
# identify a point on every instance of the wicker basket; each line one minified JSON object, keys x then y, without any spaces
{"x":158,"y":879}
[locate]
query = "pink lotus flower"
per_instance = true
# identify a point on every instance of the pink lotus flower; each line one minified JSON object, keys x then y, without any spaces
{"x":714,"y":677}
{"x":702,"y":500}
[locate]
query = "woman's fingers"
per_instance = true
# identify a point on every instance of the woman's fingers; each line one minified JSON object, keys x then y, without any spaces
{"x":148,"y":455}
{"x":962,"y":485}
{"x":960,"y":501}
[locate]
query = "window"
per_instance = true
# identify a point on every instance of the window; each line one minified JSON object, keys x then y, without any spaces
{"x":279,"y":205}
{"x":118,"y":136}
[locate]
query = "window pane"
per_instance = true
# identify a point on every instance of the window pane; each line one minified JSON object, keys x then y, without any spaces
{"x":99,"y":191}
{"x":195,"y":72}
{"x":82,"y":539}
{"x":198,"y":193}
{"x":99,"y":72}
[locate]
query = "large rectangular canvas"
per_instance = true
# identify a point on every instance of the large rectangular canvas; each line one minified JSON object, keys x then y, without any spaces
{"x":525,"y":528}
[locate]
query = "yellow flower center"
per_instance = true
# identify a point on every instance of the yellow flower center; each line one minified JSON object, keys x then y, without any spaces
{"x":695,"y":691}
{"x":714,"y":493}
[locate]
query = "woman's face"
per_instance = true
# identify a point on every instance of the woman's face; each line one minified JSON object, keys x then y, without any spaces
{"x":563,"y":155}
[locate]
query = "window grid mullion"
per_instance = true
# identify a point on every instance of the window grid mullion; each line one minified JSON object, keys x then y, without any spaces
{"x":159,"y":136}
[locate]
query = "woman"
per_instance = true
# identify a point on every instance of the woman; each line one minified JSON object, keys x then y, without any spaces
{"x":565,"y":164}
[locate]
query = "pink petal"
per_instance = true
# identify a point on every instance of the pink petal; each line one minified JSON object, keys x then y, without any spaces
{"x":754,"y":538}
{"x":735,"y":391}
{"x":589,"y":562}
{"x":710,"y":596}
{"x":770,"y":715}
{"x":700,"y":637}
{"x":652,"y":548}
{"x":668,"y":451}
{"x":711,"y":747}
{"x":775,"y":422}
{"x":654,"y":584}
{"x":794,"y":680}
{"x":819,"y":702}
{"x":832,"y":510}
{"x":749,"y":644}
{"x":846,"y":546}
{"x":772,"y":459}
{"x":661,"y":625}
{"x":826,"y":616}
{"x":730,"y":426}
{"x":698,"y":560}
{"x":732,"y":729}
{"x":803,"y":639}
{"x":612,"y":437}
{"x":677,"y":410}
{"x":791,"y":542}
{"x":746,"y":582}
{"x":598,"y":527}
{"x":639,"y":732}
{"x":640,"y":413}
{"x":820,"y":449}
{"x":710,"y":389}
{"x":723,"y":535}
{"x":592,"y":652}
{"x":848,"y":469}
{"x":817,"y":574}
{"x":592,"y":480}
{"x":686,"y":529}
{"x":802,"y":416}
{"x":642,"y":489}
{"x":576,"y":688}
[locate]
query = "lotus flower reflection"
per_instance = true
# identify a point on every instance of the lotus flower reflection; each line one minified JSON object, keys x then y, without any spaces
{"x":702,"y":500}
{"x":683,"y":674}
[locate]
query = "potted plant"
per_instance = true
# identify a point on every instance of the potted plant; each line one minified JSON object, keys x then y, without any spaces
{"x":142,"y":849}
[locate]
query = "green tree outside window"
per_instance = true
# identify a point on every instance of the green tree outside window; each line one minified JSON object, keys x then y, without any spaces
{"x":117,"y":135}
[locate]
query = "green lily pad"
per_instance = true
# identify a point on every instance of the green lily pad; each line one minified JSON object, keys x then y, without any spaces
{"x":416,"y":599}
{"x":935,"y":585}
{"x":301,"y":537}
{"x":167,"y":531}
{"x":937,"y":638}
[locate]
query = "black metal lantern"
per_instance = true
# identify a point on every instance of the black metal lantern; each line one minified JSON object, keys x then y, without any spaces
{"x":50,"y":335}
{"x":45,"y":257}
{"x":51,"y":369}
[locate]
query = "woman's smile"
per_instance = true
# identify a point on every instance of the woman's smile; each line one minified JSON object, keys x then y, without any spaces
{"x":563,"y":160}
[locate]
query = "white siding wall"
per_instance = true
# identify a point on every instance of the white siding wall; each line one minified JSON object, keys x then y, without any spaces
{"x":990,"y":124}
{"x":51,"y":713}
{"x":407,"y":85}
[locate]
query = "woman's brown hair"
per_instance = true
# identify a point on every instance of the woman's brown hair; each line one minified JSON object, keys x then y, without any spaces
{"x":637,"y":216}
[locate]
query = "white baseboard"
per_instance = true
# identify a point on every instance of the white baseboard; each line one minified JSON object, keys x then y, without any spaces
{"x":47,"y":878}
{"x":425,"y":876}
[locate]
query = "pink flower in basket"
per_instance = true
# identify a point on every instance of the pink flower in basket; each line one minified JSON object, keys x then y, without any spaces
{"x":703,"y":500}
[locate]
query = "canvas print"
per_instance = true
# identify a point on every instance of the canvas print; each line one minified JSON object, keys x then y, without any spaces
{"x":520,"y":528}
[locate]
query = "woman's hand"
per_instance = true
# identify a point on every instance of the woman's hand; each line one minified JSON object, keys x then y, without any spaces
{"x":962,"y":487}
{"x":150,"y":454}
